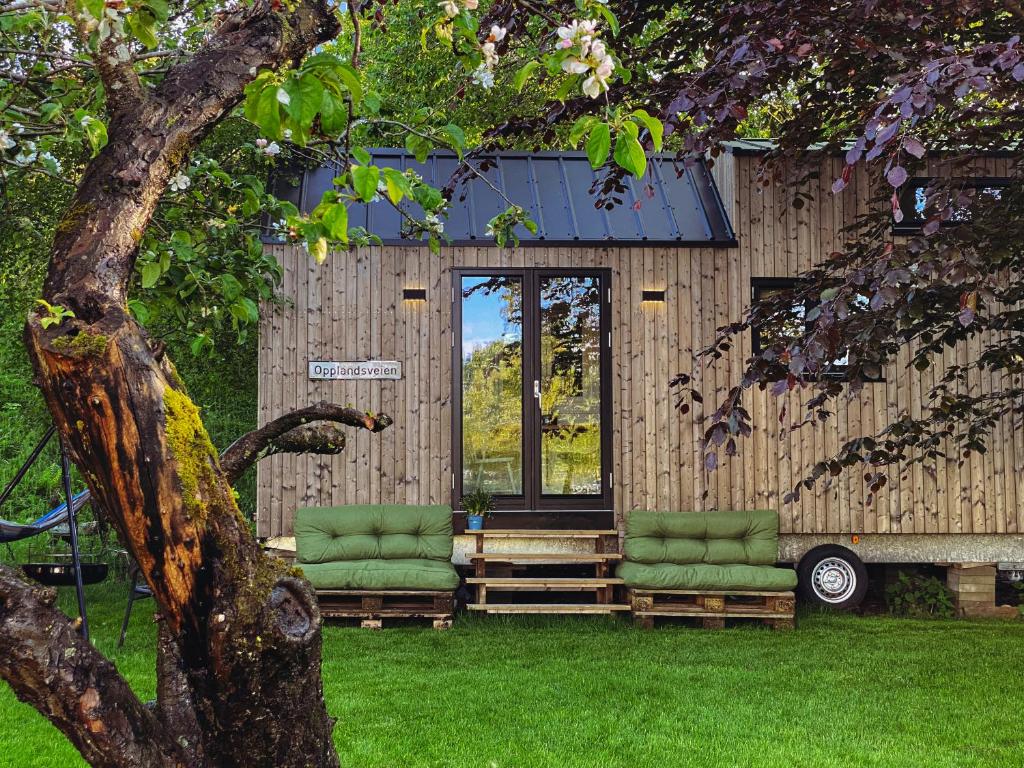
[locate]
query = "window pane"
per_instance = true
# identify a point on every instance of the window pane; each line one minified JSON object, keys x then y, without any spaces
{"x":492,"y":385}
{"x":570,"y":379}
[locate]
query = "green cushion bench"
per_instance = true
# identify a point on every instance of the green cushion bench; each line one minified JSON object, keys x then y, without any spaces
{"x":371,"y":561}
{"x":708,"y":565}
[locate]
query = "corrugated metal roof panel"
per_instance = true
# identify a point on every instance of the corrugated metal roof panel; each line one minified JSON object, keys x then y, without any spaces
{"x":671,"y":206}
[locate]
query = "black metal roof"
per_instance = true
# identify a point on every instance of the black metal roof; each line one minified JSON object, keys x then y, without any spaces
{"x":554,"y":187}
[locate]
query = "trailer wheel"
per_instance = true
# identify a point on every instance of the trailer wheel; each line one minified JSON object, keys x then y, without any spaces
{"x":831,"y":576}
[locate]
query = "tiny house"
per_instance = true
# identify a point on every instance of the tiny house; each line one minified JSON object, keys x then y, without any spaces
{"x":541,"y":372}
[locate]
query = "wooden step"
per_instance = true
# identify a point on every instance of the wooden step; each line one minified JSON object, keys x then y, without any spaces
{"x":553,"y":558}
{"x":540,"y":584}
{"x":582,"y":608}
{"x":540,"y":533}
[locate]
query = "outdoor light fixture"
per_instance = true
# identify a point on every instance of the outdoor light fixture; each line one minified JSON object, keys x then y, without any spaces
{"x":414,"y":294}
{"x":652,"y":295}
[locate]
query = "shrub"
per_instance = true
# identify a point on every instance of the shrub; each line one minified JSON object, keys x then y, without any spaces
{"x":919,"y":595}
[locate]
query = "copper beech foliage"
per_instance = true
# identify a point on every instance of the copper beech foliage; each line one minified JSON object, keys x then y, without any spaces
{"x":888,"y":85}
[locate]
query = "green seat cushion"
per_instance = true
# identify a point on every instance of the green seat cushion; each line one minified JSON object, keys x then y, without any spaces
{"x":749,"y":537}
{"x":705,"y":576}
{"x":373,"y":532}
{"x":382,"y":574}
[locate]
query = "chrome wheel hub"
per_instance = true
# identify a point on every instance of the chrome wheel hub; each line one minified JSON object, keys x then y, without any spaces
{"x":833,"y":580}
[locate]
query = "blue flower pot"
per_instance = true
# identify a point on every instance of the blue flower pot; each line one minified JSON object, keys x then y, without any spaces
{"x":474,"y":522}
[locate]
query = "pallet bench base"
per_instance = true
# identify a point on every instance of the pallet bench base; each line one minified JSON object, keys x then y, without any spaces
{"x":374,"y":607}
{"x":712,"y":607}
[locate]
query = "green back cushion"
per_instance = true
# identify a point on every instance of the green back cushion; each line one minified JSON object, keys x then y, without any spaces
{"x":373,"y":532}
{"x":748,"y":537}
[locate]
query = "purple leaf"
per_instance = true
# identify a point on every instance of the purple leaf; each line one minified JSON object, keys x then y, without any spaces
{"x":966,"y":316}
{"x":711,"y":461}
{"x":1018,"y":72}
{"x":897,"y":176}
{"x":838,"y":185}
{"x":914,"y":147}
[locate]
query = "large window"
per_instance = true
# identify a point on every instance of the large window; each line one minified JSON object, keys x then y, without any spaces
{"x":531,"y":372}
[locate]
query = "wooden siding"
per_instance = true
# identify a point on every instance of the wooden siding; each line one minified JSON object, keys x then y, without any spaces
{"x":351,"y":309}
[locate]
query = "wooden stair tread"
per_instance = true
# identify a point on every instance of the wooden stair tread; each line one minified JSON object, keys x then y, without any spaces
{"x":554,"y":557}
{"x":384,"y":613}
{"x":530,"y":580}
{"x":531,"y":533}
{"x":547,"y":607}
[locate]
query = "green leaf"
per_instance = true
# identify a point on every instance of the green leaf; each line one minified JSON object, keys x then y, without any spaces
{"x":397,"y":184}
{"x":364,"y":181}
{"x":96,"y":133}
{"x":567,"y":87}
{"x":305,"y":99}
{"x":264,"y":109}
{"x":628,"y":152}
{"x":143,"y":25}
{"x":159,"y":9}
{"x":653,"y":126}
{"x":361,"y":155}
{"x":418,"y":146}
{"x":230,"y":288}
{"x":333,"y":114}
{"x":336,"y":222}
{"x":150,"y":274}
{"x":580,"y":128}
{"x":613,"y":23}
{"x":598,"y":144}
{"x":458,"y":137}
{"x":524,"y":74}
{"x":139,"y":310}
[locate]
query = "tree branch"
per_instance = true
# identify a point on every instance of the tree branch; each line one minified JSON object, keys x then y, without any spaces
{"x":53,"y":669}
{"x":293,"y":433}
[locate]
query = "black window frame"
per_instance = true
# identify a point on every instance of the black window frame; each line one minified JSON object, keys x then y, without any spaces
{"x":912,"y":224}
{"x":532,"y":499}
{"x":758,"y":284}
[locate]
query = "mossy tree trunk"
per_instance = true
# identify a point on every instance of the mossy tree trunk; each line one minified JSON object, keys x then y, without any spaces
{"x":239,"y":659}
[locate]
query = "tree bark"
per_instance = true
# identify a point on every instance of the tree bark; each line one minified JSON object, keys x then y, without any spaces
{"x":240,"y":642}
{"x":293,"y":433}
{"x":52,"y":668}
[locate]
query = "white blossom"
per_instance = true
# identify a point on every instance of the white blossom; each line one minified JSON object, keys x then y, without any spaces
{"x":450,"y":8}
{"x":180,"y":182}
{"x":574,"y":66}
{"x":272,"y":149}
{"x":6,"y":142}
{"x":483,"y":76}
{"x":497,"y":34}
{"x":261,"y":143}
{"x":490,"y":55}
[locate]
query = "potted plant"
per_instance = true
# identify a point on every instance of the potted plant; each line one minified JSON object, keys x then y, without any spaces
{"x":477,"y":504}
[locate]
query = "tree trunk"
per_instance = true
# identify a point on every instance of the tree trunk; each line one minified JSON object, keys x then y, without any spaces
{"x":240,"y":638}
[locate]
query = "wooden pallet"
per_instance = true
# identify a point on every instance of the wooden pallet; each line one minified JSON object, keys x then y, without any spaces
{"x":712,"y":607}
{"x":373,"y":607}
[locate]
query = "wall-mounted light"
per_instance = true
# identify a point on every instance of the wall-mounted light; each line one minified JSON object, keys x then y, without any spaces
{"x":414,"y":294}
{"x":652,"y":295}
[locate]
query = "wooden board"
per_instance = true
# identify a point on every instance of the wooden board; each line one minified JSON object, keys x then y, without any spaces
{"x":532,"y":608}
{"x":527,"y":558}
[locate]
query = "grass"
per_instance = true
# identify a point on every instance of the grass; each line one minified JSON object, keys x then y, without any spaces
{"x":525,"y":691}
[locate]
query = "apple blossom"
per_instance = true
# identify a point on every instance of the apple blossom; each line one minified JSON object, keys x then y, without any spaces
{"x":497,"y":34}
{"x":273,"y":149}
{"x":482,"y":76}
{"x":450,"y":8}
{"x":179,"y":183}
{"x":6,"y":142}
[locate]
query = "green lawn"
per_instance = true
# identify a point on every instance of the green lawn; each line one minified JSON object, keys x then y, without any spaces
{"x":839,"y":691}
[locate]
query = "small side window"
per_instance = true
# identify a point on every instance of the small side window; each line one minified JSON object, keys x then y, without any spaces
{"x":790,"y":325}
{"x":916,"y":211}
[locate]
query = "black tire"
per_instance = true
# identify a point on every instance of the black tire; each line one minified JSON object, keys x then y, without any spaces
{"x":831,"y":576}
